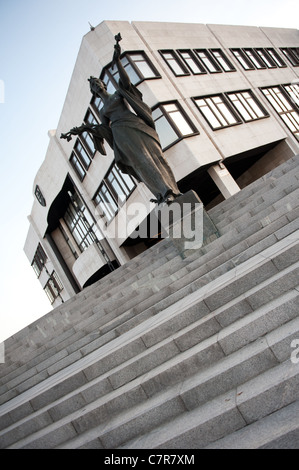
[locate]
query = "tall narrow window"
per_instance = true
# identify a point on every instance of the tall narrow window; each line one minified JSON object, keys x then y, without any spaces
{"x":285,"y":106}
{"x":266,"y":58}
{"x":255,"y":58}
{"x":174,"y":63}
{"x":247,"y":105}
{"x":79,"y":223}
{"x":276,"y":57}
{"x":292,"y":54}
{"x":217,"y":111}
{"x":208,"y":60}
{"x":192,"y":62}
{"x":172,"y":124}
{"x":293,"y":92}
{"x":53,"y":287}
{"x":222,"y":60}
{"x":243,"y":59}
{"x":114,"y":190}
{"x":39,"y":260}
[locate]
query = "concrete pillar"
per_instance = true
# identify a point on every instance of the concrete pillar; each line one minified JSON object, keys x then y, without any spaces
{"x":223,"y":179}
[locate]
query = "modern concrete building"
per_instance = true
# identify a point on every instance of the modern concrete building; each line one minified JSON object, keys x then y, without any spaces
{"x":225,"y":100}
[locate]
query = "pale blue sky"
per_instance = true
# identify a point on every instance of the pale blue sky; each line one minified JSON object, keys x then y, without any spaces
{"x":39,"y":42}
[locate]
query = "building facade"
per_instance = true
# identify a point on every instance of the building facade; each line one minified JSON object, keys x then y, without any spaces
{"x":225,"y":100}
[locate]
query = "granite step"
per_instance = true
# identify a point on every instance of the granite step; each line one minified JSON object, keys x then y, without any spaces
{"x":231,"y":371}
{"x":89,"y":303}
{"x":210,"y":324}
{"x":279,"y":430}
{"x":196,"y":428}
{"x":61,"y":357}
{"x":250,"y":190}
{"x":268,"y":193}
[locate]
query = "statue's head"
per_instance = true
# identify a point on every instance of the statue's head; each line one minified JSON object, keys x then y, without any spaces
{"x":96,"y":85}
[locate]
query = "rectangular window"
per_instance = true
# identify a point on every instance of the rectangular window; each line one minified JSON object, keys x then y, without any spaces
{"x":255,"y":58}
{"x":266,"y":58}
{"x":247,"y":105}
{"x":113,"y":192}
{"x":222,"y":60}
{"x":243,"y":59}
{"x":284,"y":99}
{"x":78,"y":167}
{"x":82,"y":154}
{"x":88,"y":143}
{"x":39,"y":260}
{"x":192,"y":62}
{"x":175,"y":63}
{"x":293,"y":92}
{"x":208,"y":60}
{"x":217,"y":111}
{"x":172,"y":124}
{"x":53,"y":287}
{"x":136,"y":64}
{"x":276,"y":57}
{"x":292,"y":54}
{"x":79,"y":223}
{"x":80,"y":159}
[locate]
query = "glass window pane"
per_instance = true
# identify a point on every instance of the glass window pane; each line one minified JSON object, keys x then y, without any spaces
{"x":181,"y":123}
{"x":166,"y":133}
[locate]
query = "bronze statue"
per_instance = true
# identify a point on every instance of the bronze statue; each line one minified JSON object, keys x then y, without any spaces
{"x":133,"y":137}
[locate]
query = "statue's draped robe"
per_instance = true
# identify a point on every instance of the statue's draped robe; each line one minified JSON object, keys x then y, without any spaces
{"x":135,"y":142}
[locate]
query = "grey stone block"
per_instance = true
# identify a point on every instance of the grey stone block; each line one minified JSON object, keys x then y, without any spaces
{"x":279,"y":430}
{"x":190,"y":362}
{"x":280,"y":340}
{"x":145,"y":363}
{"x":31,"y":426}
{"x":269,"y":392}
{"x":227,"y":374}
{"x":104,"y":409}
{"x":52,"y":439}
{"x":59,"y":390}
{"x":259,"y":323}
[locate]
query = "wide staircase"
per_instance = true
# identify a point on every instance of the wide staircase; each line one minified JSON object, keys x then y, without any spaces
{"x":172,"y":353}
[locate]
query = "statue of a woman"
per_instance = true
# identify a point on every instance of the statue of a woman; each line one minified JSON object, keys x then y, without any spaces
{"x":133,"y":137}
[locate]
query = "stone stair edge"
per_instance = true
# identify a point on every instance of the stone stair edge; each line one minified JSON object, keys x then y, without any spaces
{"x":254,"y":348}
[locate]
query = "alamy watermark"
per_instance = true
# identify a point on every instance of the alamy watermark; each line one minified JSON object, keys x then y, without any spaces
{"x":295,"y":353}
{"x":177,"y":221}
{"x":2,"y":91}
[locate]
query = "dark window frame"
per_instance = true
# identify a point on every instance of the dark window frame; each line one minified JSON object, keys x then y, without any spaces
{"x":232,"y":108}
{"x":194,"y":58}
{"x":167,"y":115}
{"x":79,"y":226}
{"x":210,"y":58}
{"x":53,"y":287}
{"x":107,"y":70}
{"x":77,"y":166}
{"x":244,"y":57}
{"x":39,"y":260}
{"x":231,"y":67}
{"x":292,"y":54}
{"x":228,"y":105}
{"x":254,"y":98}
{"x":255,"y":58}
{"x":276,"y":57}
{"x":294,"y":108}
{"x":100,"y":198}
{"x":178,"y":60}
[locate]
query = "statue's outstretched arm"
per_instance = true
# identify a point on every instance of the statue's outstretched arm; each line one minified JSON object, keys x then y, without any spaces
{"x":98,"y":134}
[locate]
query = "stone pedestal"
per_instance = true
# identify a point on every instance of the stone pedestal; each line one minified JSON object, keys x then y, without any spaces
{"x":186,"y":223}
